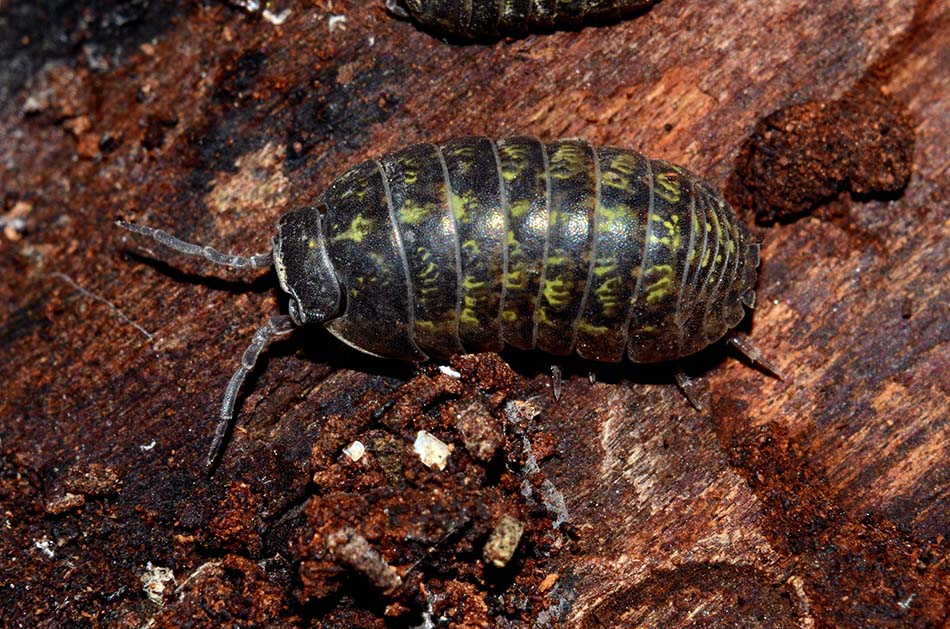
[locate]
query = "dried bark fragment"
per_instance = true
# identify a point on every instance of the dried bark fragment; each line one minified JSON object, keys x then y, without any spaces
{"x":503,"y":542}
{"x":804,"y":155}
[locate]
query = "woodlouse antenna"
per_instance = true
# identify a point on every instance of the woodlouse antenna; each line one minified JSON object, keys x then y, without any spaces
{"x":754,"y":354}
{"x":256,"y":261}
{"x":274,"y":328}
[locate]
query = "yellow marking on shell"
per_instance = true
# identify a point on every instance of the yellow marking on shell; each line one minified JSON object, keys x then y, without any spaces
{"x":616,"y":180}
{"x":358,"y":229}
{"x":429,"y":270}
{"x":568,"y":160}
{"x":612,"y":215}
{"x":311,"y":244}
{"x":658,"y":290}
{"x":461,"y":203}
{"x":673,"y":239}
{"x":668,"y":186}
{"x":607,"y":294}
{"x":554,"y":260}
{"x":519,"y":208}
{"x":541,"y":316}
{"x":472,"y":245}
{"x":556,"y":291}
{"x":515,"y":162}
{"x":665,"y":270}
{"x":359,"y":193}
{"x":516,"y":280}
{"x":470,"y":283}
{"x":716,"y":225}
{"x":412,"y":213}
{"x":590,"y":328}
{"x":625,"y":163}
{"x":513,"y":150}
{"x":509,"y":315}
{"x":464,"y":157}
{"x":467,"y":314}
{"x":425,"y":325}
{"x":464,"y":150}
{"x":603,"y":266}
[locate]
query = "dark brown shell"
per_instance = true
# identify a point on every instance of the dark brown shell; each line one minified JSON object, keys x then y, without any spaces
{"x":468,"y":245}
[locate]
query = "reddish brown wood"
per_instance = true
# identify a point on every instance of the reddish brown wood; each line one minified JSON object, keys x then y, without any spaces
{"x":818,"y":501}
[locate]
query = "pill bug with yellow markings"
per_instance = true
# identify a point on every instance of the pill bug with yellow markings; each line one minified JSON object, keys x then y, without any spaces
{"x":440,"y":249}
{"x":491,"y":18}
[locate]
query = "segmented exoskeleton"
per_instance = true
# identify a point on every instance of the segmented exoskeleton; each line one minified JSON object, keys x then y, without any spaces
{"x":490,"y":18}
{"x":462,"y":247}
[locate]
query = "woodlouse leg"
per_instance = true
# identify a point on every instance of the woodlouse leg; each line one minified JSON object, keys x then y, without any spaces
{"x":256,"y":261}
{"x":690,"y":390}
{"x":556,"y":381}
{"x":275,"y":327}
{"x":753,"y":353}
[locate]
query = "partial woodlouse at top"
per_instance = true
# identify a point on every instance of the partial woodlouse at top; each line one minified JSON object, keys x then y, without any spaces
{"x":473,"y":19}
{"x":440,"y":249}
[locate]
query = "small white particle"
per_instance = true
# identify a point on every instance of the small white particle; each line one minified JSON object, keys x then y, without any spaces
{"x":775,"y":302}
{"x":371,"y":41}
{"x":904,"y":604}
{"x":146,"y":448}
{"x":432,"y":452}
{"x":44,"y":546}
{"x":449,"y":371}
{"x":276,"y":18}
{"x":355,"y":451}
{"x":336,"y":22}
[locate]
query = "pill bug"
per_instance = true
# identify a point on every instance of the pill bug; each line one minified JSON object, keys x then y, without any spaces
{"x":436,"y":250}
{"x":491,"y":18}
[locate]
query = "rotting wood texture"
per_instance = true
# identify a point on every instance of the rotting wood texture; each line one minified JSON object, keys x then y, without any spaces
{"x":818,"y":501}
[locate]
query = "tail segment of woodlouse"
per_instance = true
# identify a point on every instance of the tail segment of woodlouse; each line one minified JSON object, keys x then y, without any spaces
{"x":472,"y":19}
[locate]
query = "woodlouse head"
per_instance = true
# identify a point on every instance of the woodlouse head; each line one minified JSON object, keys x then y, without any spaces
{"x":304,"y":269}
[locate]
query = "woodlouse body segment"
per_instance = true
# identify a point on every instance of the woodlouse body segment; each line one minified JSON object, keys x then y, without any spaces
{"x":462,"y":247}
{"x":440,"y":249}
{"x":490,"y":18}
